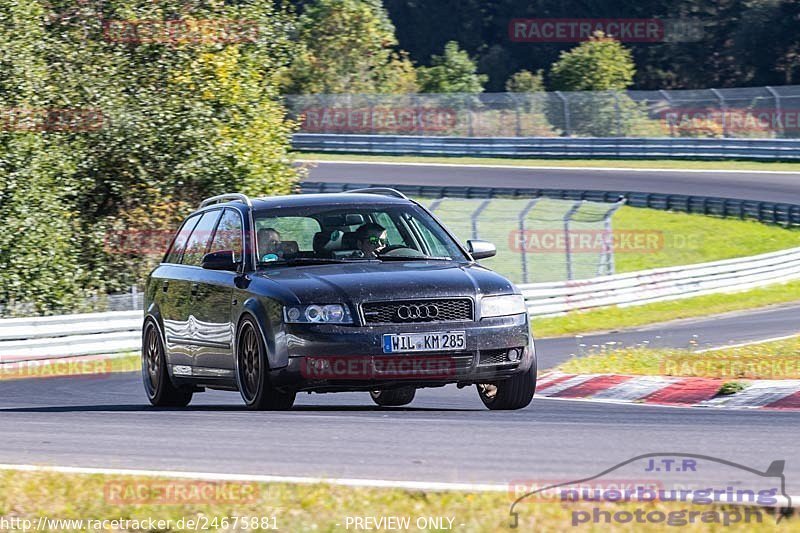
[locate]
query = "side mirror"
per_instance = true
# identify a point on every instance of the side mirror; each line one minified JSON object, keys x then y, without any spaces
{"x":481,"y":249}
{"x":222,"y":260}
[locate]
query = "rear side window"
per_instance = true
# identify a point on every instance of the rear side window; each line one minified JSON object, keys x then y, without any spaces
{"x":229,"y":234}
{"x":179,"y":243}
{"x":200,"y":238}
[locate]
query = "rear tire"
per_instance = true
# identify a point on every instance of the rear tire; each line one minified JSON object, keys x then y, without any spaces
{"x":252,"y":372}
{"x":393,"y":398}
{"x":159,"y":388}
{"x":510,"y":394}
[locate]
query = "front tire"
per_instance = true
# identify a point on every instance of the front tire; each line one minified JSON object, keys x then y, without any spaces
{"x":393,"y":398}
{"x":157,"y":384}
{"x":252,"y":372}
{"x":510,"y":394}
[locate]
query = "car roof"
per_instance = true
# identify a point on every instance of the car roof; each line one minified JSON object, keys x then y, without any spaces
{"x":309,"y":200}
{"x":331,"y":199}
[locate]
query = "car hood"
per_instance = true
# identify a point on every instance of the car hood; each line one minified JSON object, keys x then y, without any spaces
{"x":401,"y":280}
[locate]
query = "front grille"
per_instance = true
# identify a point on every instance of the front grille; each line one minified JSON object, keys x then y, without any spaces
{"x":411,"y":311}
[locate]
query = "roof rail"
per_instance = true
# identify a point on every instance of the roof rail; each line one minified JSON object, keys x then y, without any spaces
{"x":383,"y":191}
{"x":227,"y":198}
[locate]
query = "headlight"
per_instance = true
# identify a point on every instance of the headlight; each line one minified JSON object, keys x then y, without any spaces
{"x":317,"y":314}
{"x":512,"y":304}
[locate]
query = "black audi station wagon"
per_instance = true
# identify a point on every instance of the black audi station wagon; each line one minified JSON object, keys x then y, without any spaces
{"x":358,"y":291}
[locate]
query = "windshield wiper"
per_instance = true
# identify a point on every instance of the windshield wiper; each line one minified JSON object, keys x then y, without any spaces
{"x":414,"y":258}
{"x":312,"y":261}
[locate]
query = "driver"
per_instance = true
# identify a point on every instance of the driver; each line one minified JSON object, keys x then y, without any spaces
{"x":269,"y":245}
{"x":371,"y":239}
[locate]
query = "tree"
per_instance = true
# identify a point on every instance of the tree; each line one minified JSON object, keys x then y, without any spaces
{"x":599,"y":64}
{"x":453,"y":72}
{"x":179,"y":118}
{"x":348,"y":46}
{"x":525,"y":81}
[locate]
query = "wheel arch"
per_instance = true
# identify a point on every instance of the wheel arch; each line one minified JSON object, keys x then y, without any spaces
{"x":267,"y":319}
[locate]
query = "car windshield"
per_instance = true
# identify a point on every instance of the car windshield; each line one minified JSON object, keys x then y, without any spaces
{"x":332,"y":234}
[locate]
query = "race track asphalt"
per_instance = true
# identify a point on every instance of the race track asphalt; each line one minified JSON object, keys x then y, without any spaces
{"x":769,"y":186}
{"x":446,"y":435}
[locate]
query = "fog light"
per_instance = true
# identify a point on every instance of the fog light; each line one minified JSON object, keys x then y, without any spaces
{"x":513,"y":354}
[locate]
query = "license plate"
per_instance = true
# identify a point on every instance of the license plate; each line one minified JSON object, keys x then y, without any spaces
{"x":440,"y":341}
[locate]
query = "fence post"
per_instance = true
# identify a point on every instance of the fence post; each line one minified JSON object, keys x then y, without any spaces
{"x":567,"y":125}
{"x":474,"y":216}
{"x":523,"y":253}
{"x":778,"y":109}
{"x":567,"y":245}
{"x":723,"y":106}
{"x":606,"y":266}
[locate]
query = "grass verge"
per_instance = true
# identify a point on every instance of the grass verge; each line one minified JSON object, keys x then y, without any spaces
{"x":568,"y":163}
{"x":617,"y":318}
{"x":769,"y":360}
{"x":291,"y":507}
{"x":685,"y":239}
{"x":95,"y":365}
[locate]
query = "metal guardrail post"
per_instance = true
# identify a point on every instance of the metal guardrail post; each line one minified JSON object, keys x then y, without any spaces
{"x":523,"y":253}
{"x":567,"y":245}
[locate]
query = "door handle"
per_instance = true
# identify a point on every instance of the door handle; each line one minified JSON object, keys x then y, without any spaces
{"x":165,"y":286}
{"x":195,"y":288}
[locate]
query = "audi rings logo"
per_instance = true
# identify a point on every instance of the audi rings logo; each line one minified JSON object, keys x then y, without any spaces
{"x":413,"y":312}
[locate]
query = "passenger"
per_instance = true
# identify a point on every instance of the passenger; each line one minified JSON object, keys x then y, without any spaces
{"x":371,"y":239}
{"x":269,"y":245}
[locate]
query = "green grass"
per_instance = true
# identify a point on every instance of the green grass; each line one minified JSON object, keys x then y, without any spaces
{"x":687,"y":239}
{"x":318,"y":507}
{"x":617,"y":318}
{"x":644,"y":238}
{"x":594,"y":162}
{"x":769,"y":360}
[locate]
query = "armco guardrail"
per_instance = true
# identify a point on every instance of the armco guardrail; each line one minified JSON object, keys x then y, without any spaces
{"x":23,"y":339}
{"x":768,"y":212}
{"x":556,"y":147}
{"x":27,"y":339}
{"x":638,"y":288}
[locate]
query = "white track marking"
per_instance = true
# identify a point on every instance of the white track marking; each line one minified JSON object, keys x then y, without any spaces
{"x":758,"y":394}
{"x":748,"y":343}
{"x":634,"y":389}
{"x":567,"y":383}
{"x":210,"y":476}
{"x":540,"y":167}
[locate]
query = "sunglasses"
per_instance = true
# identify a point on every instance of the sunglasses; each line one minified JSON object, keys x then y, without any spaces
{"x":376,"y":240}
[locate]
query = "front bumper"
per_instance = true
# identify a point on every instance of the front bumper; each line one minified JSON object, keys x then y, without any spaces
{"x":328,"y":358}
